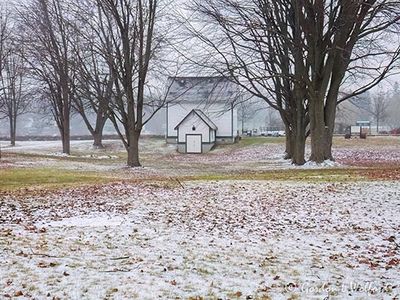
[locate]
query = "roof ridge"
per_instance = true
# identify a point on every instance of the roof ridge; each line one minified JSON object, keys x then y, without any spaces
{"x":202,"y":116}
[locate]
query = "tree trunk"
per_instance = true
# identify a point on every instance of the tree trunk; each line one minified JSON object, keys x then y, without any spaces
{"x":66,"y":139}
{"x":328,"y":143}
{"x":98,"y":133}
{"x":330,"y":116}
{"x":289,"y":145}
{"x":298,"y":141}
{"x":133,"y":150}
{"x":12,"y":131}
{"x":98,"y":140}
{"x":377,"y":126}
{"x":298,"y":151}
{"x":289,"y":148}
{"x":298,"y":123}
{"x":317,"y":130}
{"x":330,"y":109}
{"x":66,"y":142}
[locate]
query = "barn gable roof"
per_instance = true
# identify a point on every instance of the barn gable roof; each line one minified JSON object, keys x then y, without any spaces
{"x":202,"y":116}
{"x":205,"y":90}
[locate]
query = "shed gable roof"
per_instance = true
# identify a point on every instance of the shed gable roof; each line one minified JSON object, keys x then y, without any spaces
{"x":202,"y":117}
{"x":204,"y":90}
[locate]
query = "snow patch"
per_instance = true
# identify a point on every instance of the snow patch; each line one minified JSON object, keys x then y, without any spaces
{"x":219,"y":239}
{"x":325,"y":164}
{"x":88,"y":221}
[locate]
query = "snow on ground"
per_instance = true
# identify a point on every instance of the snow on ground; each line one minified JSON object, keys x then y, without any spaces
{"x":367,"y":155}
{"x":43,"y":146}
{"x":231,"y":155}
{"x":156,"y":155}
{"x":53,"y":148}
{"x":228,"y":240}
{"x":326,"y":163}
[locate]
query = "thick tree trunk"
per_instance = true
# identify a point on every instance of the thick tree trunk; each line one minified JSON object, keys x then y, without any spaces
{"x":330,"y":116}
{"x":133,"y":150}
{"x":330,"y":110}
{"x":298,"y":151}
{"x":295,"y":143}
{"x":289,"y":142}
{"x":296,"y":135}
{"x":97,"y":130}
{"x":298,"y":142}
{"x":66,"y":143}
{"x":328,"y":143}
{"x":98,"y":140}
{"x":98,"y":133}
{"x":317,"y":130}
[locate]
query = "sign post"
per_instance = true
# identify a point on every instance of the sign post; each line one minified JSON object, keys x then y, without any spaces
{"x":363,"y":124}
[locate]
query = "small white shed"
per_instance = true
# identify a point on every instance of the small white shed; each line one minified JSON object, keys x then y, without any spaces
{"x":196,"y":133}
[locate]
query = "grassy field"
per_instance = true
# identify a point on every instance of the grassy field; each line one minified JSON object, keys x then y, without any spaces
{"x":338,"y":141}
{"x":309,"y":175}
{"x":260,"y":140}
{"x":253,"y":158}
{"x":50,"y":179}
{"x":239,"y":222}
{"x":12,"y":179}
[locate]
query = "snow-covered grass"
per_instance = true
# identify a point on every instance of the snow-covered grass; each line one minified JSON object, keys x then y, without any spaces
{"x":237,"y":223}
{"x":239,"y":161}
{"x":250,"y":154}
{"x":210,"y":240}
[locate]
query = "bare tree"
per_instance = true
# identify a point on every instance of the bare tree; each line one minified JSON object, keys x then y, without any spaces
{"x":394,"y":107}
{"x":250,"y":43}
{"x":94,"y":68}
{"x":339,"y":39}
{"x":272,"y":120}
{"x":94,"y":90}
{"x":379,"y":109}
{"x":133,"y":28}
{"x":3,"y":38}
{"x":374,"y":105}
{"x":46,"y":35}
{"x":15,"y":92}
{"x":247,"y":109}
{"x":297,"y":55}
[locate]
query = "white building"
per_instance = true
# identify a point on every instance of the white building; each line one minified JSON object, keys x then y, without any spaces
{"x":200,"y":112}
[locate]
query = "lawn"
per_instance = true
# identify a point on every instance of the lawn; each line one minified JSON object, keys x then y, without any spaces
{"x":237,"y":223}
{"x":19,"y":178}
{"x":205,"y":240}
{"x":260,"y":140}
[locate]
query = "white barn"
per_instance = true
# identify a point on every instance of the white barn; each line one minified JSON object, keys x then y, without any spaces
{"x":200,"y":113}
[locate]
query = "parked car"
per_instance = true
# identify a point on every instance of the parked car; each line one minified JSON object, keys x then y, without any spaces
{"x":273,"y":133}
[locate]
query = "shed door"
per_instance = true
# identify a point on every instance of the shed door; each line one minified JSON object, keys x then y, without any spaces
{"x":193,"y":143}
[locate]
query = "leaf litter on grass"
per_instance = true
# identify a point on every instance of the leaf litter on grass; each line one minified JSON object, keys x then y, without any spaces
{"x":209,"y":239}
